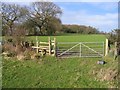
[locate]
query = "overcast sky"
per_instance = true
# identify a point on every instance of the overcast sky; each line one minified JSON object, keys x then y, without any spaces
{"x":101,"y":15}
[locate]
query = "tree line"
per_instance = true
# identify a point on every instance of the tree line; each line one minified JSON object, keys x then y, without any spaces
{"x":79,"y":29}
{"x":40,"y":18}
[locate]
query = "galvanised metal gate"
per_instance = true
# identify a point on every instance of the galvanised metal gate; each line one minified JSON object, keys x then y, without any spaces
{"x":80,"y":49}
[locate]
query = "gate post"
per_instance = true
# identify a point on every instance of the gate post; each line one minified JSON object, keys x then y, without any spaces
{"x":106,"y":47}
{"x":115,"y":51}
{"x":37,"y":44}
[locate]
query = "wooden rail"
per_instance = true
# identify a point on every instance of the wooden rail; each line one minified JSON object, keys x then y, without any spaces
{"x":49,"y":47}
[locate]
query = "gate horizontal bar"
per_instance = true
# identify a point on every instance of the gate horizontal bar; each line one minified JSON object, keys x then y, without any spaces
{"x":77,"y":42}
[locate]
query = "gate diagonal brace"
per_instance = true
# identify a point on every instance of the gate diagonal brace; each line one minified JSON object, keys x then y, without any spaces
{"x":69,"y":49}
{"x":92,"y":49}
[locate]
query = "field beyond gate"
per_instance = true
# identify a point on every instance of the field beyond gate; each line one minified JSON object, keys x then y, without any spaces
{"x":71,"y":38}
{"x":80,"y":49}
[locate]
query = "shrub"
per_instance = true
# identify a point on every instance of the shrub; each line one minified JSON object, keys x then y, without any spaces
{"x":27,"y":54}
{"x":19,"y":49}
{"x":38,"y":56}
{"x":11,"y":54}
{"x":20,"y":56}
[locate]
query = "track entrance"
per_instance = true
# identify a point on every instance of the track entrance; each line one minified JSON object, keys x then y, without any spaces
{"x":80,"y":49}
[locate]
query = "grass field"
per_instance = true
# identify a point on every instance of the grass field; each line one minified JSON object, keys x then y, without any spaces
{"x":52,"y":72}
{"x":72,"y":38}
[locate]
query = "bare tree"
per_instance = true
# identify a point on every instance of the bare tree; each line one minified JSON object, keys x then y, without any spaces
{"x":42,"y":13}
{"x":11,"y":14}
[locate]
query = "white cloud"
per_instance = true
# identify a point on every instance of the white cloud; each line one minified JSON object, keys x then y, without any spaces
{"x":105,"y":5}
{"x":104,"y":22}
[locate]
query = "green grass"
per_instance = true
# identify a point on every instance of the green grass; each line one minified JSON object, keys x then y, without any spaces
{"x":67,"y":73}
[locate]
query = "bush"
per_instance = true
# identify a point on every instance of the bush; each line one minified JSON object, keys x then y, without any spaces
{"x":10,"y":49}
{"x":19,"y":49}
{"x":11,"y":54}
{"x":38,"y":56}
{"x":20,"y":56}
{"x":27,"y":54}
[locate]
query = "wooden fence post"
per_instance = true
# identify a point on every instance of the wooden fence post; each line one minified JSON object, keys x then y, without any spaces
{"x":36,"y":44}
{"x":106,"y":47}
{"x":115,"y":51}
{"x":49,"y":40}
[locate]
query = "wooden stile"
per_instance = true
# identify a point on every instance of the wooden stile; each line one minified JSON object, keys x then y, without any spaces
{"x":49,"y":46}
